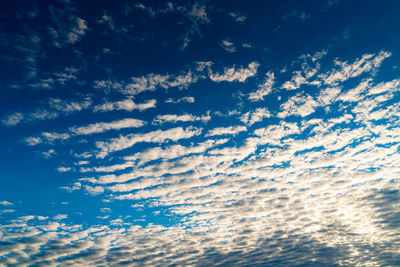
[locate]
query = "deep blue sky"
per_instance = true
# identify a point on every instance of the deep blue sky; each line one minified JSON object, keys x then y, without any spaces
{"x":229,"y":133}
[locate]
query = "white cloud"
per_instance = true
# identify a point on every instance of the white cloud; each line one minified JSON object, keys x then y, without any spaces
{"x":60,"y":217}
{"x":63,"y":169}
{"x":57,"y":107}
{"x":158,"y":136}
{"x":310,"y":66}
{"x":67,"y":28}
{"x":174,"y":151}
{"x":147,"y":83}
{"x":32,"y":141}
{"x":355,"y":94}
{"x":367,"y":63}
{"x":46,"y":137}
{"x":108,"y":21}
{"x":126,"y":104}
{"x":328,"y":95}
{"x":232,"y":74}
{"x":78,"y":30}
{"x":5,"y":203}
{"x":106,"y":126}
{"x":255,"y":116}
{"x":42,"y":114}
{"x":188,"y":99}
{"x":197,"y":16}
{"x":228,"y":46}
{"x":74,"y":187}
{"x":13,"y":119}
{"x":238,"y":17}
{"x":247,"y":45}
{"x":263,"y":89}
{"x":64,"y":106}
{"x":172,"y":118}
{"x":298,"y":105}
{"x":50,"y":137}
{"x":7,"y":211}
{"x":105,"y":210}
{"x":323,"y":180}
{"x":231,"y":130}
{"x":94,"y":190}
{"x":384,"y":87}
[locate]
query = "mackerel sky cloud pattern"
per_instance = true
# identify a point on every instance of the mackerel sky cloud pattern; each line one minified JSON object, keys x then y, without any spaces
{"x":200,"y":133}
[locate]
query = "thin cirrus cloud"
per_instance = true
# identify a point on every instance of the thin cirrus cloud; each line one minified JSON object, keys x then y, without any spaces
{"x":231,"y":74}
{"x":99,"y":127}
{"x":228,"y":46}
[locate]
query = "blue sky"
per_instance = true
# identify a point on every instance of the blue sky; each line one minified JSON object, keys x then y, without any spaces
{"x":194,"y":133}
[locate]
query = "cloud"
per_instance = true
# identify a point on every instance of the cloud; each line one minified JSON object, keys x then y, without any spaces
{"x":60,"y":217}
{"x":238,"y":17}
{"x":64,"y":106}
{"x":78,"y":30}
{"x":67,"y":27}
{"x":100,"y":127}
{"x":255,"y":116}
{"x":46,"y":137}
{"x":228,"y":46}
{"x":174,"y":151}
{"x":55,"y":136}
{"x":149,"y":82}
{"x":158,"y":136}
{"x":63,"y":169}
{"x":367,"y":63}
{"x":107,"y":20}
{"x":106,"y":126}
{"x":197,"y":16}
{"x":298,"y":105}
{"x":13,"y":119}
{"x":5,"y":203}
{"x":231,"y":130}
{"x":247,"y":45}
{"x":56,"y":108}
{"x":152,"y":81}
{"x":232,"y":74}
{"x":172,"y":118}
{"x":126,"y":104}
{"x":32,"y":141}
{"x":264,"y":88}
{"x":188,"y":99}
{"x":310,"y":66}
{"x":94,"y":190}
{"x":315,"y":184}
{"x":74,"y":187}
{"x":193,"y":14}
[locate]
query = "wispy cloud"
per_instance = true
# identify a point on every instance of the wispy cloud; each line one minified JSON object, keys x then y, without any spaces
{"x":126,"y":104}
{"x":56,"y":107}
{"x":188,"y":99}
{"x":160,"y":119}
{"x":228,"y":46}
{"x":106,"y":126}
{"x":238,"y":17}
{"x":235,"y":74}
{"x":158,"y":136}
{"x":231,"y":130}
{"x":264,"y":88}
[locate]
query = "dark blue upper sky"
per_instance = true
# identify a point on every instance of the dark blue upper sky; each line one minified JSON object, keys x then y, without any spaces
{"x":229,"y":133}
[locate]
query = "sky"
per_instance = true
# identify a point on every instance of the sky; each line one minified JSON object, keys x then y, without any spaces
{"x":200,"y":133}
